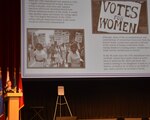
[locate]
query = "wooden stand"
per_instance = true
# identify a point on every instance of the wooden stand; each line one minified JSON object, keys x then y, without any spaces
{"x":13,"y":105}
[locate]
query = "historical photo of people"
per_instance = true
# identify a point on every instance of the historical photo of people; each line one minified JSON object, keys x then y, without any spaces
{"x":119,"y":16}
{"x":55,"y":48}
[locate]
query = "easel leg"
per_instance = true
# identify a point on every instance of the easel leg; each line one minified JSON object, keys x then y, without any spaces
{"x":55,"y":108}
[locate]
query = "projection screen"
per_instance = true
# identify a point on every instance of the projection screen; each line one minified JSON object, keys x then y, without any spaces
{"x":85,"y":38}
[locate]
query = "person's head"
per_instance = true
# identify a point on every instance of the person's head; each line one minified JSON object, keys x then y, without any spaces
{"x":39,"y":46}
{"x":9,"y":84}
{"x":74,"y":47}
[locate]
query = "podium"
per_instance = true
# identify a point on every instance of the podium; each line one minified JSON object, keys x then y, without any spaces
{"x":13,"y":105}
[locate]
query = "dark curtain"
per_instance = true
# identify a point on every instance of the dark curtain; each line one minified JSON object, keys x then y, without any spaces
{"x":10,"y":39}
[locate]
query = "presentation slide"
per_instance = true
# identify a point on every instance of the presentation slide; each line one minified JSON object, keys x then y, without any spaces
{"x":85,"y":38}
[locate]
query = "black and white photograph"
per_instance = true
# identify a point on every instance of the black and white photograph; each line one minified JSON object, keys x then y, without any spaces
{"x":55,"y":48}
{"x":119,"y":16}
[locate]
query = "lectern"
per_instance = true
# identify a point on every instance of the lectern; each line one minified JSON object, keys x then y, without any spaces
{"x":13,"y":105}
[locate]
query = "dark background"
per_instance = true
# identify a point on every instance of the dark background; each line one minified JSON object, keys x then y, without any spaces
{"x":90,"y":97}
{"x":87,"y":97}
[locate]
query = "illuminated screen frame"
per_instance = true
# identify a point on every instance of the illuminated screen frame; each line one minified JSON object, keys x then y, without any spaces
{"x":111,"y":38}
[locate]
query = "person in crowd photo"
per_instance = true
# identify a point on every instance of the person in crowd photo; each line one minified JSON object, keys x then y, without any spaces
{"x":74,"y":60}
{"x":40,"y":56}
